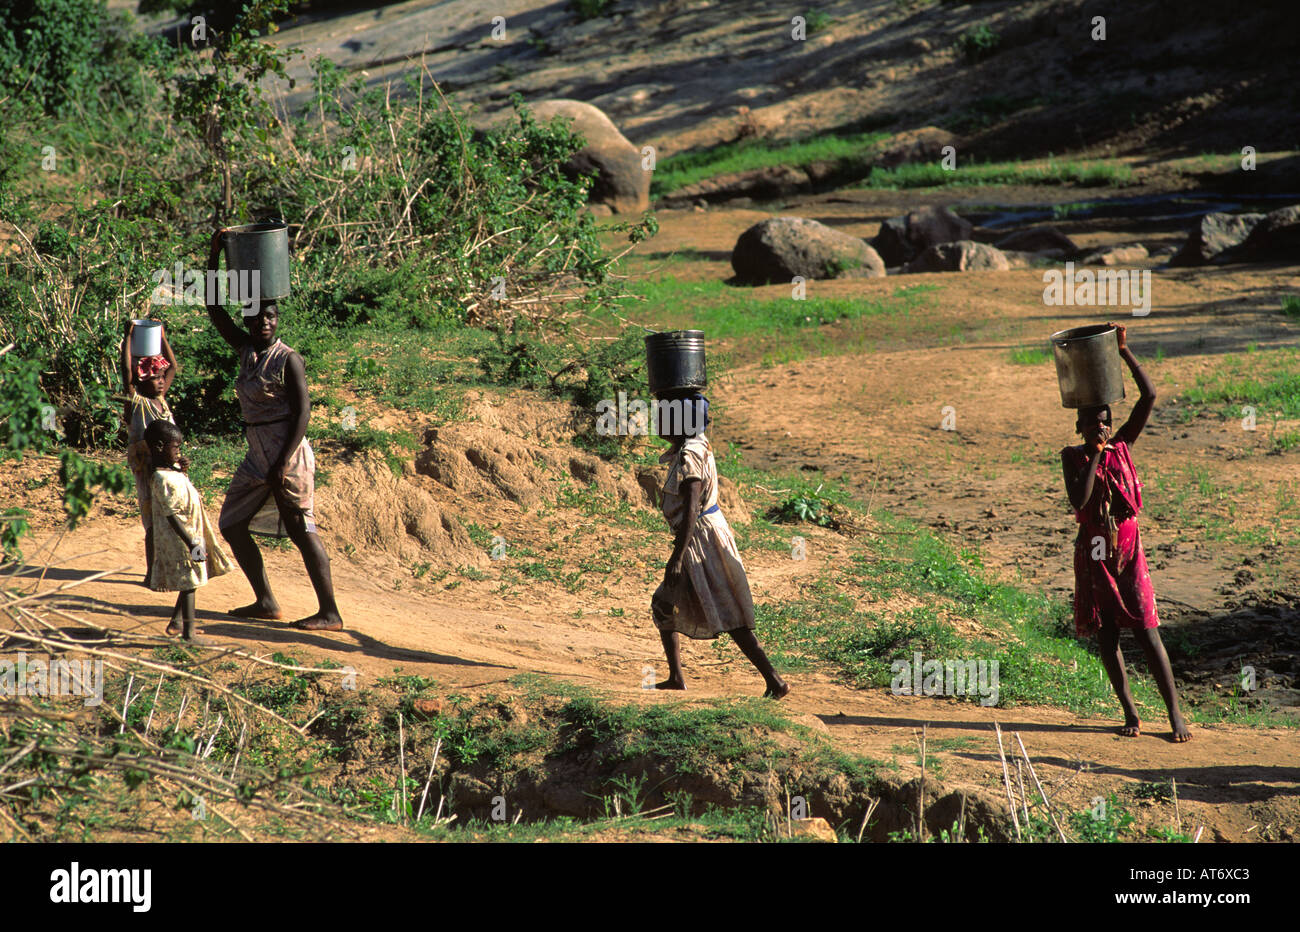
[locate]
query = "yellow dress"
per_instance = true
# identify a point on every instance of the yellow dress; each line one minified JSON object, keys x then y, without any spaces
{"x":713,"y":595}
{"x":173,"y":570}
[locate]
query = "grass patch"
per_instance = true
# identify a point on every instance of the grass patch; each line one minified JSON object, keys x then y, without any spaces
{"x":848,"y":149}
{"x":932,"y":174}
{"x":1268,"y":380}
{"x":1030,"y":355}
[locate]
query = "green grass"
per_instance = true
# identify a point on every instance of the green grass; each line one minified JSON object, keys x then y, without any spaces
{"x":1291,"y":306}
{"x":1269,"y":380}
{"x":1030,"y":355}
{"x":851,"y":149}
{"x":776,"y":328}
{"x":932,"y":174}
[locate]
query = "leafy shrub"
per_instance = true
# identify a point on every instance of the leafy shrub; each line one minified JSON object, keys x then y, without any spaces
{"x":978,"y":43}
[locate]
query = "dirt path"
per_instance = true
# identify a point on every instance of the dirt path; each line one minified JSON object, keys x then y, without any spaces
{"x":1241,"y":783}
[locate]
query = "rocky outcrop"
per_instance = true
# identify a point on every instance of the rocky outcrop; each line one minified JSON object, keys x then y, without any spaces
{"x":621,"y":184}
{"x":778,"y":249}
{"x":902,"y":239}
{"x":961,"y":256}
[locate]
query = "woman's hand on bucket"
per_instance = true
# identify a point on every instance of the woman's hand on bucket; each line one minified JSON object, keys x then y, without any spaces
{"x":1121,"y":333}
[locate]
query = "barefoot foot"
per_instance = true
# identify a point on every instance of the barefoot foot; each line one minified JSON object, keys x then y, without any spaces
{"x":777,"y":690}
{"x":673,"y":682}
{"x":259,"y":610}
{"x":174,"y":628}
{"x":319,"y":622}
{"x":1181,"y":731}
{"x":1131,"y":728}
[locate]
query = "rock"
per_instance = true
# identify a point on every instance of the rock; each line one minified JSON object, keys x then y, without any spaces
{"x":916,"y":145}
{"x":763,"y":183}
{"x":1037,"y":239}
{"x":918,"y":46}
{"x":778,"y":249}
{"x":961,"y":256}
{"x":814,"y":829}
{"x":1018,"y":259}
{"x":620,"y":184}
{"x":427,"y":708}
{"x":901,"y":239}
{"x":1116,"y":255}
{"x":1214,"y":235}
{"x":1277,"y":236}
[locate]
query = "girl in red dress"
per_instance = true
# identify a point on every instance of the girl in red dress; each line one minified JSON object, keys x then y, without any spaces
{"x":1112,"y":587}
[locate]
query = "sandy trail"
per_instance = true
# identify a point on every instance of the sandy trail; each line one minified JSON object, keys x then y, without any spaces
{"x":1239,"y":782}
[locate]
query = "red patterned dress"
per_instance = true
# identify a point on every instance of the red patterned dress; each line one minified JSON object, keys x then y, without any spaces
{"x":1118,"y":585}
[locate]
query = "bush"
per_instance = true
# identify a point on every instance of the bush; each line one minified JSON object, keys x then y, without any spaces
{"x":978,"y":43}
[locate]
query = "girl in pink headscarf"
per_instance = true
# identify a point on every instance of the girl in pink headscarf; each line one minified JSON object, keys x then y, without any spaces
{"x":1112,"y":587}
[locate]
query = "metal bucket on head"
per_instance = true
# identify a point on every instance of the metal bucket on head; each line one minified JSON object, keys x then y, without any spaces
{"x":146,"y":338}
{"x":264,"y":247}
{"x":1088,"y":366}
{"x":675,"y":361}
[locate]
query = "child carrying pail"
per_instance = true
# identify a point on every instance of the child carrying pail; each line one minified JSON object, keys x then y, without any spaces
{"x":145,"y":380}
{"x":1112,"y":584}
{"x":705,"y":591}
{"x":187,"y":553}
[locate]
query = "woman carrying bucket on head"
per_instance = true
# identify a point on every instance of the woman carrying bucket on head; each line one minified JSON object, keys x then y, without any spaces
{"x":272,"y":491}
{"x":1112,"y":584}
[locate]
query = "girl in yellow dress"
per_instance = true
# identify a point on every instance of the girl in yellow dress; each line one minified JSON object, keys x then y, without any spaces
{"x":186,"y":552}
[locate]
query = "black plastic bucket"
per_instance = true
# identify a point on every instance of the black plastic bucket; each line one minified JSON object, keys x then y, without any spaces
{"x":675,"y":361}
{"x":1088,"y":366}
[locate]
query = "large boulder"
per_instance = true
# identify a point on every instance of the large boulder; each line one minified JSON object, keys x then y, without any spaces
{"x":901,"y":239}
{"x":621,"y":184}
{"x":962,"y":256}
{"x":1276,"y":236}
{"x":1037,"y":239}
{"x":1215,"y":234}
{"x":778,"y":249}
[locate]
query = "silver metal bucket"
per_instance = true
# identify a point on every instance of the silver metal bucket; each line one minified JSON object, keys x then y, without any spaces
{"x":264,"y":247}
{"x":1088,"y":366}
{"x":675,"y":361}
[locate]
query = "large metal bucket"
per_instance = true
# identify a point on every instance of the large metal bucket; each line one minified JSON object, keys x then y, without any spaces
{"x":264,"y":247}
{"x":1088,"y":366}
{"x":146,"y":338}
{"x":675,"y":361}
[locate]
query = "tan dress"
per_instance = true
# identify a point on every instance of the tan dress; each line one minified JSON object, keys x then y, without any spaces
{"x":264,"y":401}
{"x":144,"y":411}
{"x":713,"y":596}
{"x":173,"y":570}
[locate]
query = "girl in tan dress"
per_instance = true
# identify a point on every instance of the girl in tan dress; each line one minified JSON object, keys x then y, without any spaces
{"x":186,"y":552}
{"x":705,"y":591}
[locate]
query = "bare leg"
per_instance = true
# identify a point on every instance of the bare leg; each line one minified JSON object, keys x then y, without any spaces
{"x":250,"y":561}
{"x":745,"y":640}
{"x":1158,"y":663}
{"x":673,"y":651}
{"x":186,"y":603}
{"x":174,"y":626}
{"x":148,"y":555}
{"x":1112,"y":659}
{"x":317,"y":561}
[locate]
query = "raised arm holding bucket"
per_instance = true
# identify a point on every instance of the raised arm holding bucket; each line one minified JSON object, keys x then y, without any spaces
{"x":272,"y":491}
{"x":1112,"y":583}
